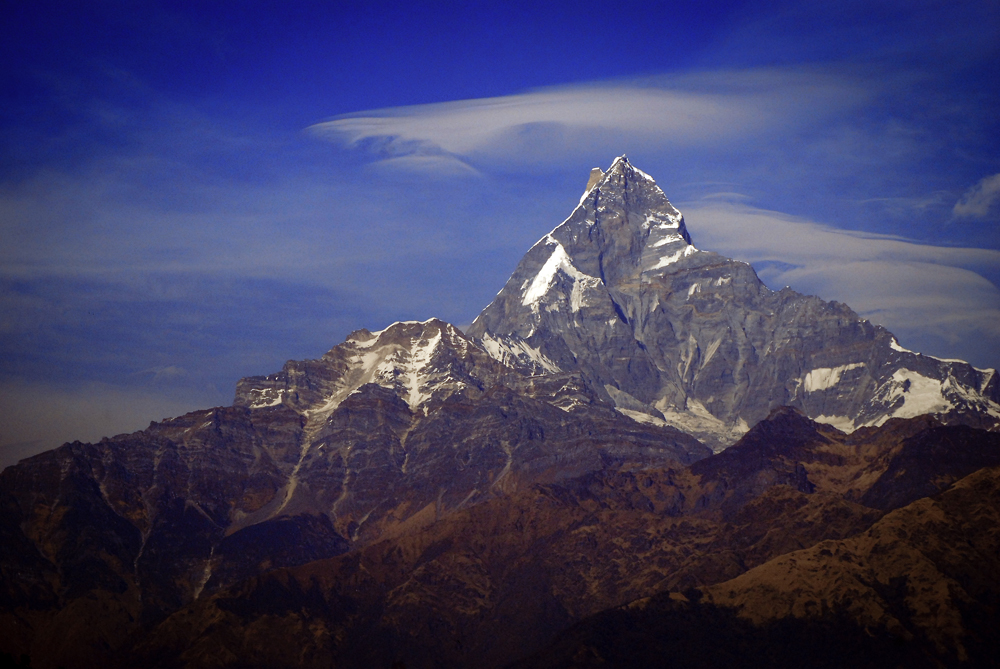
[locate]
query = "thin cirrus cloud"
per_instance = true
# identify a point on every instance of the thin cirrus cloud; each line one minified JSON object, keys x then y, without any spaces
{"x":981,"y":200}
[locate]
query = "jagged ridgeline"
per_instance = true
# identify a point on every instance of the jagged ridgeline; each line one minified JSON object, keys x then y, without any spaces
{"x":450,"y":498}
{"x":619,"y":297}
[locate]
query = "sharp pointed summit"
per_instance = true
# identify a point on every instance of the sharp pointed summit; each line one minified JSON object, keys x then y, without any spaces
{"x":670,"y":333}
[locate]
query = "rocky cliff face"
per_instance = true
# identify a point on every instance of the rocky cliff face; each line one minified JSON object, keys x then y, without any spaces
{"x":917,"y":589}
{"x":672,"y":334}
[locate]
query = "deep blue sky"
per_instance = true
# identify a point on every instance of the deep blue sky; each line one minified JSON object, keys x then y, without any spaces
{"x":192,"y":192}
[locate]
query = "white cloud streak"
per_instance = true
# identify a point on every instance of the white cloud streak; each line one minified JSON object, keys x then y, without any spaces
{"x":981,"y":200}
{"x":758,"y":234}
{"x":544,"y":125}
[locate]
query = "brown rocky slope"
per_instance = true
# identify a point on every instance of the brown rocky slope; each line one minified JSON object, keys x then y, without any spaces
{"x":921,"y":587}
{"x":494,"y":582}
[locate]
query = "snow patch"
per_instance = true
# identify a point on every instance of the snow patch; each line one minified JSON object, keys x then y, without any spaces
{"x":668,"y":260}
{"x":399,"y":367}
{"x":559,"y":260}
{"x":265,"y":397}
{"x":696,"y":419}
{"x":674,"y":257}
{"x":826,"y":377}
{"x":568,"y":405}
{"x":952,"y":388}
{"x":420,"y":356}
{"x":894,"y":345}
{"x":669,"y":239}
{"x":367,"y":343}
{"x":963,"y":362}
{"x":842,"y":423}
{"x":712,"y":348}
{"x":663,"y":222}
{"x":641,"y":173}
{"x":987,"y":377}
{"x":920,"y":395}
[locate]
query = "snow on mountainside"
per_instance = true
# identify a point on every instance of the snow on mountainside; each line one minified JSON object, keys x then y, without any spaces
{"x":670,"y":333}
{"x":416,"y":360}
{"x":418,"y":414}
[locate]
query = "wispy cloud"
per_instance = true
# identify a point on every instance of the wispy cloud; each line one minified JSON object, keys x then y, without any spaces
{"x":544,"y":125}
{"x":981,"y":200}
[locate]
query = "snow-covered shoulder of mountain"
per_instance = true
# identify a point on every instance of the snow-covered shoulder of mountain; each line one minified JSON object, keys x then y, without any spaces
{"x":416,"y":360}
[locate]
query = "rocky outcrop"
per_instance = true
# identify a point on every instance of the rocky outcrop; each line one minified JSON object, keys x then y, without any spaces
{"x":928,"y":571}
{"x":403,"y":424}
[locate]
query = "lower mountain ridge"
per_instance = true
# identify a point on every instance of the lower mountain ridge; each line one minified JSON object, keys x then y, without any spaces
{"x":795,"y":523}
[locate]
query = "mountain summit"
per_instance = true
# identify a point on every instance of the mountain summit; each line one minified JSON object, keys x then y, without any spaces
{"x":672,"y":334}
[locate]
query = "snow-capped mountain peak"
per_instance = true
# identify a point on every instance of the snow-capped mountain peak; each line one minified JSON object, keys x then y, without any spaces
{"x":666,"y":332}
{"x":623,"y":229}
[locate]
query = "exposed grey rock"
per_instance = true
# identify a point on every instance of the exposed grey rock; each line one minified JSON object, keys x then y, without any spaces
{"x":670,"y":333}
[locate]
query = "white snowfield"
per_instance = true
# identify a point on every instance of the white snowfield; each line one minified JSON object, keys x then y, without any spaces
{"x":408,"y":367}
{"x":664,"y":222}
{"x":894,"y":345}
{"x":266,"y":397}
{"x":912,"y":394}
{"x":674,"y":257}
{"x":920,"y":394}
{"x":826,"y":377}
{"x":558,"y":262}
{"x":923,"y":395}
{"x":668,"y":239}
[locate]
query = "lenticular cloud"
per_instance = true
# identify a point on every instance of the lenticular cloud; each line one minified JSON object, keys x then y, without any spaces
{"x":708,"y":109}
